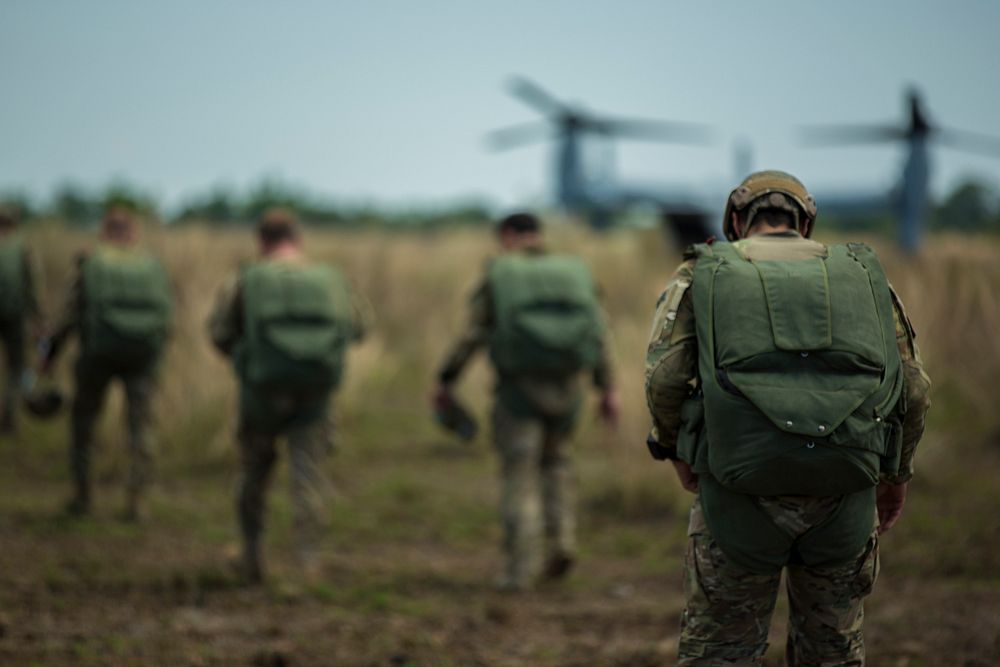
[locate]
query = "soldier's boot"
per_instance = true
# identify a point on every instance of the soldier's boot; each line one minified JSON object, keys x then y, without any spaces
{"x":558,"y":565}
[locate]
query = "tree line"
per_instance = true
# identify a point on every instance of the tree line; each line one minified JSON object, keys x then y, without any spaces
{"x":77,"y":205}
{"x":972,"y":206}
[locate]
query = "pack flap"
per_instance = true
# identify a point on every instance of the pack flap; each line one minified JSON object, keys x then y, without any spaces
{"x":135,"y":323}
{"x":302,"y":341}
{"x":805,"y":404}
{"x":798,"y":302}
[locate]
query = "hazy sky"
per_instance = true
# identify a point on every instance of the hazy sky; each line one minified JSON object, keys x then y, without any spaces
{"x":389,"y":101}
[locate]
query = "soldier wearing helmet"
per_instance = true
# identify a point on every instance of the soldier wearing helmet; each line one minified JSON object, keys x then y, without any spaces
{"x":19,"y":311}
{"x":119,"y":305}
{"x":285,"y":322}
{"x":786,"y":388}
{"x":538,"y":315}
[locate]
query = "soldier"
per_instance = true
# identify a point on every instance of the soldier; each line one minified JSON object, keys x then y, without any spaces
{"x":19,"y":311}
{"x":286,"y":323}
{"x":119,"y":304}
{"x":539,"y":316}
{"x":786,"y":387}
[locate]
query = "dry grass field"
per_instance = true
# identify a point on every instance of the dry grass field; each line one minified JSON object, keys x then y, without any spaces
{"x":413,"y":541}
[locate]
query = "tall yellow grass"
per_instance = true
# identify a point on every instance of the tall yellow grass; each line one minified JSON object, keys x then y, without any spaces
{"x":418,"y":284}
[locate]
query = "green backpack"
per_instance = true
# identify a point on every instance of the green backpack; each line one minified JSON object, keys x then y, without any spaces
{"x":11,"y":280}
{"x":800,"y":374}
{"x":298,"y":321}
{"x":126,"y":299}
{"x":547,"y":319}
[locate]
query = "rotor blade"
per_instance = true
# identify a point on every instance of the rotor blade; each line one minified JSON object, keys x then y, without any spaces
{"x":535,"y":96}
{"x":831,"y":135}
{"x":655,"y":130}
{"x":972,"y":142}
{"x":518,"y":135}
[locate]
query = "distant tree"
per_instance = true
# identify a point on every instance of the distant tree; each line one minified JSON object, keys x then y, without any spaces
{"x":20,"y":203}
{"x":270,"y":193}
{"x":121,"y":193}
{"x":219,"y":206}
{"x":971,"y":206}
{"x":73,"y":204}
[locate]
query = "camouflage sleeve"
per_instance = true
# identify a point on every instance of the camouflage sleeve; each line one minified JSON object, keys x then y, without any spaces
{"x":474,"y":336}
{"x":671,"y":358}
{"x":225,"y":323}
{"x":916,"y":392}
{"x":67,"y":322}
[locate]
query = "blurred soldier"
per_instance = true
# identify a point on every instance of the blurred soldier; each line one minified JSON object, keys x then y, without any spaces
{"x":538,"y":314}
{"x":286,"y":323}
{"x":119,"y":304}
{"x":18,"y":309}
{"x":786,"y":387}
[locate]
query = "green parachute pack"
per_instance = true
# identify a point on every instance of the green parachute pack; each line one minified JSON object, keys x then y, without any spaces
{"x":298,"y":321}
{"x":547,"y":319}
{"x":800,"y":374}
{"x":11,"y":280}
{"x":126,"y":306}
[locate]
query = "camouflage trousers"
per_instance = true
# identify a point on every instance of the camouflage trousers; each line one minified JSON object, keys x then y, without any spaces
{"x":536,"y":493}
{"x":308,"y":444}
{"x":728,"y":611}
{"x":93,"y":376}
{"x":12,"y":338}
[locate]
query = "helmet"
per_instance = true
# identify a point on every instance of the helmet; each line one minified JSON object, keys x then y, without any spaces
{"x":784,"y":192}
{"x":44,"y":403}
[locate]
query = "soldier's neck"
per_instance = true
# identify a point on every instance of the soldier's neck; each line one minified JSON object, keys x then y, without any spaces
{"x":283,"y":251}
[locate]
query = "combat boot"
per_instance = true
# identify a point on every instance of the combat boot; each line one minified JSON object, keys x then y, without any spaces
{"x":558,"y":566}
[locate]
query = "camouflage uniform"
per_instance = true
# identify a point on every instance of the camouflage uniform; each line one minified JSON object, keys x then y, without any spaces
{"x":533,"y":418}
{"x":13,"y":335}
{"x":729,"y":606}
{"x":92,"y":376}
{"x":301,"y":416}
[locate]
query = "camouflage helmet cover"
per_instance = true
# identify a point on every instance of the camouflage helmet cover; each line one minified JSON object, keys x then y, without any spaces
{"x":783,"y":191}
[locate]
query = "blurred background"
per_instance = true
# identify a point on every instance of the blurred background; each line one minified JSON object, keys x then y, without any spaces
{"x":399,"y":131}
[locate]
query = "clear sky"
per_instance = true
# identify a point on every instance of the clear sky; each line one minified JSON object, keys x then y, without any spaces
{"x":389,"y":101}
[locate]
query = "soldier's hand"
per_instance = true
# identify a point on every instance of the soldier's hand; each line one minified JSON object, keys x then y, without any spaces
{"x":889,"y":500}
{"x":610,"y":407}
{"x":687,"y":477}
